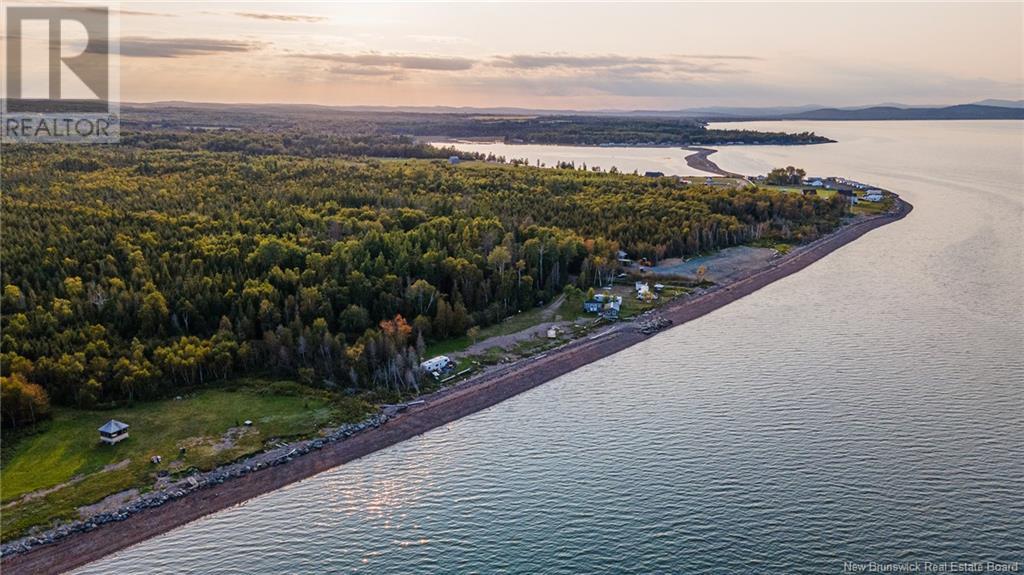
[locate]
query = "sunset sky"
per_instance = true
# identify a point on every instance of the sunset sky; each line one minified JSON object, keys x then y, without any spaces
{"x":571,"y":55}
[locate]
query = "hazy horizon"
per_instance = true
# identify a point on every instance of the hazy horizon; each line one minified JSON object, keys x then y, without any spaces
{"x":571,"y":56}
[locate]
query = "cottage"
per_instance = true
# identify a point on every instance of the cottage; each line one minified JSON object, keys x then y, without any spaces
{"x":654,"y":174}
{"x":437,"y":364}
{"x":113,"y":431}
{"x":642,"y":288}
{"x":606,"y":305}
{"x":454,"y":160}
{"x":611,"y":309}
{"x":873,"y":196}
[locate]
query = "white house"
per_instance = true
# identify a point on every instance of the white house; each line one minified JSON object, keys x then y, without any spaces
{"x":872,"y":196}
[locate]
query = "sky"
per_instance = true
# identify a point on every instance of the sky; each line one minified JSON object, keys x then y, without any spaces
{"x":571,"y":55}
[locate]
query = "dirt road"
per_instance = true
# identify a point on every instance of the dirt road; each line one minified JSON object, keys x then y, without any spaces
{"x":438,"y":409}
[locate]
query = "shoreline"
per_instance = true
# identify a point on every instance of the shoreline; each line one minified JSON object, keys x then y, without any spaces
{"x":437,"y":409}
{"x":700,"y":161}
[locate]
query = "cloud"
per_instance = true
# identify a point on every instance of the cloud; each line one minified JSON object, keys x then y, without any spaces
{"x":396,"y":61}
{"x":143,"y":47}
{"x":374,"y":63}
{"x":708,"y":64}
{"x":538,"y":61}
{"x":619,"y":85}
{"x":281,"y":17}
{"x":345,"y":70}
{"x":129,"y":12}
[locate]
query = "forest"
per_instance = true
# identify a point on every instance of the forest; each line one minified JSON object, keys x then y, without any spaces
{"x":565,"y":129}
{"x":174,"y":260}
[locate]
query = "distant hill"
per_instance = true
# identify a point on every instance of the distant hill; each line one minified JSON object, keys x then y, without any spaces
{"x":960,"y":112}
{"x":1001,"y":103}
{"x":990,"y":109}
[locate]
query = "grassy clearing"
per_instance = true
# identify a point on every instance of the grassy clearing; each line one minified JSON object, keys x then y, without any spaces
{"x":822,"y":191}
{"x":719,"y":181}
{"x":781,"y":247}
{"x":872,"y":208}
{"x":569,"y":310}
{"x":66,"y":453}
{"x":446,"y":346}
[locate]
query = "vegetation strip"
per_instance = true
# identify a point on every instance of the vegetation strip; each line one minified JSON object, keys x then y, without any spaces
{"x":437,"y":409}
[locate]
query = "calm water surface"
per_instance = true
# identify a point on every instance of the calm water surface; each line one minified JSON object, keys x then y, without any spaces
{"x":867,"y":408}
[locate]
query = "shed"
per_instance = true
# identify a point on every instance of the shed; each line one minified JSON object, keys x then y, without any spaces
{"x":113,"y":431}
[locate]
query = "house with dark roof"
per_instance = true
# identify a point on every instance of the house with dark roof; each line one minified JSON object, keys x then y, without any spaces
{"x":113,"y":431}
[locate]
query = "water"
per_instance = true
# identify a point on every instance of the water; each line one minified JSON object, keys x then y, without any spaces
{"x":867,"y":408}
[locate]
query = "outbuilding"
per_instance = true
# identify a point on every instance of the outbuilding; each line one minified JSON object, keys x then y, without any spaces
{"x":113,"y":431}
{"x":437,"y":364}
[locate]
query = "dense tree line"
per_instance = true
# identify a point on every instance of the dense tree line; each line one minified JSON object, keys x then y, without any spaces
{"x":129,"y":271}
{"x":21,"y":402}
{"x":788,"y":176}
{"x":574,"y":129}
{"x":290,"y":143}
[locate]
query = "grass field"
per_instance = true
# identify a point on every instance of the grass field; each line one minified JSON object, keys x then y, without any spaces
{"x":66,"y":456}
{"x":569,"y":310}
{"x":822,"y":192}
{"x":871,"y":208}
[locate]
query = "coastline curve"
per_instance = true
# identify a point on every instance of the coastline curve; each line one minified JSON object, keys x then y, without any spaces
{"x":437,"y":409}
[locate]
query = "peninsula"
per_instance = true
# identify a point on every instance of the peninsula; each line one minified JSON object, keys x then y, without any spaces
{"x":223,"y":487}
{"x":270,"y":304}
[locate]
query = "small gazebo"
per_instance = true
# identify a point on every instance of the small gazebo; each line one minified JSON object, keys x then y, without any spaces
{"x":113,"y":431}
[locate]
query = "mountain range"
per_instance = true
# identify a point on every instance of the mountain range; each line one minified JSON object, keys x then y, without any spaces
{"x":990,"y":109}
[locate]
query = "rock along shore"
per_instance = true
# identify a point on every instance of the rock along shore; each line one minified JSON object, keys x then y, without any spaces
{"x":75,"y":544}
